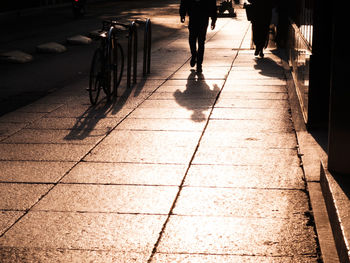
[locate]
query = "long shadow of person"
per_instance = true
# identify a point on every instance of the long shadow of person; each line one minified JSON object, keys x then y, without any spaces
{"x":198,"y":96}
{"x":268,"y":67}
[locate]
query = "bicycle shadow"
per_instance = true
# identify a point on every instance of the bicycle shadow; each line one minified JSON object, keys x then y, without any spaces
{"x":198,"y":96}
{"x":87,"y":122}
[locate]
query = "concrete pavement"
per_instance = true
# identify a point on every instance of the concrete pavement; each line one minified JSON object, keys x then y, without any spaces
{"x":183,"y":168}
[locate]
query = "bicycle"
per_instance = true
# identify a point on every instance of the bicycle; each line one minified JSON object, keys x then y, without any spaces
{"x":107,"y":64}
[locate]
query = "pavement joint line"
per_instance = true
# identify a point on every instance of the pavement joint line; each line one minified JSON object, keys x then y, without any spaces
{"x":236,"y":254}
{"x":154,"y":250}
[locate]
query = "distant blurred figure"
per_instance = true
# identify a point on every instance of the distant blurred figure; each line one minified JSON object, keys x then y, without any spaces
{"x":261,"y":24}
{"x":199,"y":12}
{"x":78,"y":7}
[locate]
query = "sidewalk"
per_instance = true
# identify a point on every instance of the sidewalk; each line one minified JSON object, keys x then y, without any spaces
{"x":184,"y":168}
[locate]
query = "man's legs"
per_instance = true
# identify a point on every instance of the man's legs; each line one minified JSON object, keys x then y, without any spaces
{"x":202,"y":33}
{"x":193,"y":36}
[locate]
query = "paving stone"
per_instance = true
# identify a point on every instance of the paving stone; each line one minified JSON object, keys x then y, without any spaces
{"x":263,"y":125}
{"x":208,"y":73}
{"x":238,"y":236}
{"x":8,"y":128}
{"x":252,"y":103}
{"x":200,"y":258}
{"x":249,"y":114}
{"x":20,"y":117}
{"x":243,"y":202}
{"x":196,"y":114}
{"x":160,"y":154}
{"x":33,"y":172}
{"x":190,"y":103}
{"x":42,"y":152}
{"x":59,"y":255}
{"x":254,"y":95}
{"x":245,"y":156}
{"x":161,"y":125}
{"x":190,"y":89}
{"x":126,"y":174}
{"x":7,"y":219}
{"x":251,"y":82}
{"x":85,"y":231}
{"x":265,"y":176}
{"x":39,"y":107}
{"x":249,"y":139}
{"x":57,"y":136}
{"x":212,"y":84}
{"x":84,"y":124}
{"x":133,"y":140}
{"x":21,"y":196}
{"x":84,"y":111}
{"x":109,"y":199}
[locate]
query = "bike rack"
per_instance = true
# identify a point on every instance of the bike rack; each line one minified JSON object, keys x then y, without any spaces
{"x":132,"y":46}
{"x":146,"y":45}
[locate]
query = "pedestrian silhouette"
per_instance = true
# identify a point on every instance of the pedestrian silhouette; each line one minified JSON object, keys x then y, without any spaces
{"x":199,"y":12}
{"x":262,"y":12}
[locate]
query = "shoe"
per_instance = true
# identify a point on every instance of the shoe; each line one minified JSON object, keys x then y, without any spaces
{"x":261,"y":53}
{"x":193,"y":61}
{"x":199,"y":68}
{"x":256,"y":52}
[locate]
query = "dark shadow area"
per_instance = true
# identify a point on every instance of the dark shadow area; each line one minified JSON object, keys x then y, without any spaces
{"x":198,"y":97}
{"x":90,"y":118}
{"x":268,"y":67}
{"x":48,"y":72}
{"x":343,"y":181}
{"x":321,"y":137}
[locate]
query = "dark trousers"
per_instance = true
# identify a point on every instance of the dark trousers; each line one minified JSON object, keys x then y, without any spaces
{"x":198,"y":31}
{"x":261,"y":28}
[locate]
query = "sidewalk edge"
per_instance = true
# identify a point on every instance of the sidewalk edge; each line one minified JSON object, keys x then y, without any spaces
{"x":337,"y":203}
{"x":311,"y":158}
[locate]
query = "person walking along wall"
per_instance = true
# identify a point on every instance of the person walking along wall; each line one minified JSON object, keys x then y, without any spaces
{"x":261,"y":24}
{"x":199,"y":12}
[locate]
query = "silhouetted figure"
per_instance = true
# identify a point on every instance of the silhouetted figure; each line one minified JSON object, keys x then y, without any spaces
{"x":199,"y":12}
{"x":261,"y":24}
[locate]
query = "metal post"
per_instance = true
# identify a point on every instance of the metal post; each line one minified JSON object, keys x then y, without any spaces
{"x":149,"y":41}
{"x":128,"y":72}
{"x":146,"y":45}
{"x":134,"y":29}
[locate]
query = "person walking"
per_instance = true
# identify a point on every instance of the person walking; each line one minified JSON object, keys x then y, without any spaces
{"x":261,"y":24}
{"x":199,"y":12}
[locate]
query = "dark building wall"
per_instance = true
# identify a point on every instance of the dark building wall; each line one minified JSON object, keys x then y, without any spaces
{"x":317,"y":55}
{"x":299,"y":45}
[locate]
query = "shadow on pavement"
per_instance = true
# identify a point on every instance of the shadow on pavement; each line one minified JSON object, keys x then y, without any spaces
{"x":87,"y":122}
{"x":269,"y":68}
{"x":198,"y":97}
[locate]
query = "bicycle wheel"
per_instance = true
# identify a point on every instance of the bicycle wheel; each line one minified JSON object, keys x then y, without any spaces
{"x":96,"y":76}
{"x":117,"y":66}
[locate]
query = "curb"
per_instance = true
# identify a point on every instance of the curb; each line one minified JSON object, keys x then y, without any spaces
{"x":16,"y":56}
{"x":311,"y":156}
{"x":51,"y":47}
{"x":338,"y":207}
